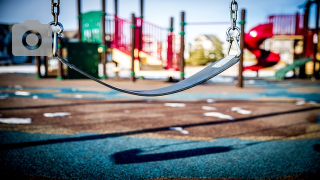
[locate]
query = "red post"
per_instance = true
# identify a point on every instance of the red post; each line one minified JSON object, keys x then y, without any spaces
{"x":133,"y":24}
{"x":297,"y":28}
{"x":116,"y":24}
{"x":240,"y":75}
{"x":170,"y":48}
{"x":182,"y":63}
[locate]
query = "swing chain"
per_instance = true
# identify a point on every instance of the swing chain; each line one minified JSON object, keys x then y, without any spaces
{"x":55,"y":11}
{"x":55,"y":14}
{"x":233,"y":13}
{"x":233,"y":27}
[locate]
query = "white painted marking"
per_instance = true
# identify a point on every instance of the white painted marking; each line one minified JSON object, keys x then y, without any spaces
{"x":74,"y":89}
{"x":211,"y":101}
{"x":175,"y":104}
{"x":15,"y":120}
{"x":22,"y":93}
{"x":299,"y":103}
{"x":18,"y":87}
{"x":56,"y":114}
{"x":35,"y":97}
{"x":240,"y":110}
{"x":180,"y":129}
{"x":208,"y":108}
{"x":235,"y":108}
{"x":78,"y":96}
{"x":219,"y":115}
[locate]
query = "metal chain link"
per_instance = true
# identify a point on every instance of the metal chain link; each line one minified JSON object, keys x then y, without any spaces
{"x":55,"y":11}
{"x":233,"y":13}
{"x":233,"y":18}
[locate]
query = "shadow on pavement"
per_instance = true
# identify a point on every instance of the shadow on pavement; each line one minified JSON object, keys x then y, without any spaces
{"x":132,"y":156}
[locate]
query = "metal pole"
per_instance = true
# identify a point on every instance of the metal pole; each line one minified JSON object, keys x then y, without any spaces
{"x":314,"y":74}
{"x":59,"y":73}
{"x":141,"y":8}
{"x":240,"y":75}
{"x":133,"y":24}
{"x":116,"y":7}
{"x":38,"y":64}
{"x":103,"y":40}
{"x":182,"y":63}
{"x":79,"y":21}
{"x":171,"y":24}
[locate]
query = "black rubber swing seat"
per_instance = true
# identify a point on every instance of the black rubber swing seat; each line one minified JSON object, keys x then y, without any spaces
{"x":198,"y":78}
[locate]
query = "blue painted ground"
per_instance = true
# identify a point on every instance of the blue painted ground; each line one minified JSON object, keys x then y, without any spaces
{"x":272,"y":90}
{"x":93,"y":156}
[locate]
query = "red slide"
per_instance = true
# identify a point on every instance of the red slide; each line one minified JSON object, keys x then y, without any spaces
{"x":253,"y":40}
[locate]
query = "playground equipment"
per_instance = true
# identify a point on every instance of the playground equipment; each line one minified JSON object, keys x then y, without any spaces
{"x":285,"y":27}
{"x":253,"y":40}
{"x":202,"y":76}
{"x":155,"y":48}
{"x":281,"y":73}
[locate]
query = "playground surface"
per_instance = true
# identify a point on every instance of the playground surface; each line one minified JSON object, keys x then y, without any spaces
{"x":268,"y":130}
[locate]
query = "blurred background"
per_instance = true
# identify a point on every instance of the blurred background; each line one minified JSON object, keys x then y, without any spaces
{"x":277,"y":34}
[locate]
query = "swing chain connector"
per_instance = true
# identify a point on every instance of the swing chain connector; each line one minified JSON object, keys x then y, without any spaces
{"x":233,"y":27}
{"x":55,"y":11}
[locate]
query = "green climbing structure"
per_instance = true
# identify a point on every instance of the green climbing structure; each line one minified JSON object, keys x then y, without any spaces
{"x":281,"y":73}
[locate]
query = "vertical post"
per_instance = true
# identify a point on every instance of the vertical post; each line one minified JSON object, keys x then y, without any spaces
{"x":298,"y":31}
{"x":297,"y":23}
{"x":46,"y":67}
{"x":103,"y":40}
{"x":171,"y":24}
{"x":140,"y":29}
{"x":314,"y":74}
{"x":38,"y":64}
{"x":141,"y":8}
{"x":133,"y":25}
{"x":79,"y":21}
{"x":302,"y":70}
{"x":116,"y":29}
{"x":242,"y":22}
{"x":59,"y":73}
{"x":116,"y":7}
{"x":169,"y":47}
{"x":182,"y":33}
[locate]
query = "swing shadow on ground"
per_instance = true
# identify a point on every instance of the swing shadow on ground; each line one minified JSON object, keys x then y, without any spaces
{"x":151,"y":130}
{"x":132,"y":155}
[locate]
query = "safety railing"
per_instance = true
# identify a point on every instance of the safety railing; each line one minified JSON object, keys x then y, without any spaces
{"x":151,"y":39}
{"x":287,"y":24}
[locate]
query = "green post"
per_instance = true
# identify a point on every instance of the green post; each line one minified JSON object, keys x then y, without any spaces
{"x":182,"y":33}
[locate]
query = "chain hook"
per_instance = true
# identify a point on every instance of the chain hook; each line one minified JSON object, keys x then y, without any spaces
{"x":233,"y":18}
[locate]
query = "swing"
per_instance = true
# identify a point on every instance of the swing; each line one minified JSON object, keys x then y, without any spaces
{"x":207,"y":73}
